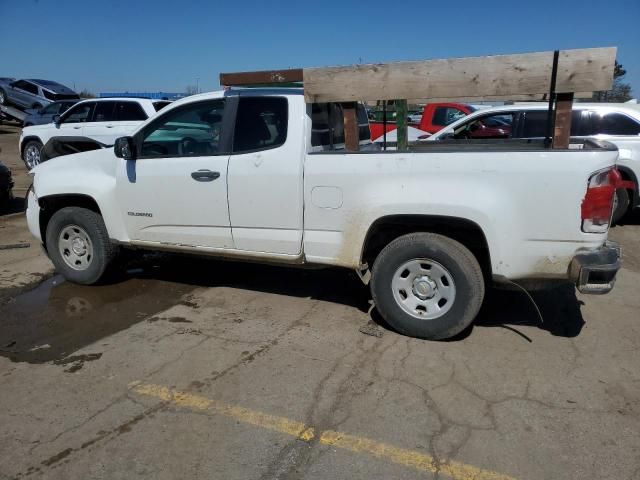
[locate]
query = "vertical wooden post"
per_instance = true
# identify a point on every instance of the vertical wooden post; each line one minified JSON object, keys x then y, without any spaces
{"x":562,"y":123}
{"x":401,"y":122}
{"x":351,"y":133}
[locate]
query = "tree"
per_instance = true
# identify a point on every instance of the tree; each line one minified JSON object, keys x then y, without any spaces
{"x":620,"y":91}
{"x":85,"y":93}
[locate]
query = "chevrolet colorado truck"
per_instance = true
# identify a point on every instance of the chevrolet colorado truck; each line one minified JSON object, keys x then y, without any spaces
{"x":258,"y":174}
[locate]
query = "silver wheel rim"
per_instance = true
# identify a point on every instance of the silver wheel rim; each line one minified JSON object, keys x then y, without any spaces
{"x":32,"y":155}
{"x":75,"y":247}
{"x":2,"y":98}
{"x":423,"y":288}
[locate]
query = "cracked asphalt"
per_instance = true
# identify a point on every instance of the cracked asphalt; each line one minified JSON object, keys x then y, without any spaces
{"x":190,"y":368}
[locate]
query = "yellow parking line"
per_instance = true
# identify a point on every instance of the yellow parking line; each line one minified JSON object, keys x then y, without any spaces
{"x":252,"y":417}
{"x":400,"y":456}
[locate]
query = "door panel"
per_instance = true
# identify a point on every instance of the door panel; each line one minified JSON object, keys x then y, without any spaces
{"x":163,"y":203}
{"x":265,"y":176}
{"x":176,"y":192}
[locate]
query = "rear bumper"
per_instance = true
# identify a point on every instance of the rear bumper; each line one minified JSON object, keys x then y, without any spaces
{"x":594,"y":271}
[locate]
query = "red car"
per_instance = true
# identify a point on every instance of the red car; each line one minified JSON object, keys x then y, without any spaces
{"x":435,"y":116}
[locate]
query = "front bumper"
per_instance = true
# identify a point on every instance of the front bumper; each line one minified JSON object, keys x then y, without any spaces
{"x":594,"y":271}
{"x":33,"y":214}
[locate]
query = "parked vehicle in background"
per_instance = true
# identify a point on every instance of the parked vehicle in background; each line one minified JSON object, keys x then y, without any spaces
{"x":46,"y":114}
{"x":415,"y":118}
{"x":435,"y":116}
{"x":618,"y":123}
{"x":6,"y":185}
{"x":99,"y":119}
{"x":258,"y":174}
{"x":3,"y":117}
{"x":34,"y":93}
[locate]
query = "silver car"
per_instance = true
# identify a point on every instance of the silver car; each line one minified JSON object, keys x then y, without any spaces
{"x":46,"y":114}
{"x":33,"y":93}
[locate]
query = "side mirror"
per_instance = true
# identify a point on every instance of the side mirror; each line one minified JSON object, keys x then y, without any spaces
{"x":56,"y":119}
{"x":124,"y":148}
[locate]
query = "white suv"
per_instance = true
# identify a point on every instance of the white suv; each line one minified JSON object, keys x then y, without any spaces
{"x":100,"y":119}
{"x":618,"y":123}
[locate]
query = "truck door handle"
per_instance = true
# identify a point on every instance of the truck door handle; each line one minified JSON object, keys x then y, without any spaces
{"x":205,"y":175}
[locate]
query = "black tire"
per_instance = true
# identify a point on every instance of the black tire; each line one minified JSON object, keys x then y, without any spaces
{"x":621,"y":205}
{"x":450,"y":254}
{"x":103,"y":251}
{"x":31,"y":144}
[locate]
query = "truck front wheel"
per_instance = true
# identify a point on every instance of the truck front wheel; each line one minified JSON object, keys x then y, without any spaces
{"x":427,"y":286}
{"x":78,"y":245}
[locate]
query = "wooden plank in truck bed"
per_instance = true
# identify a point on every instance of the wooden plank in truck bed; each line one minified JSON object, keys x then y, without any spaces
{"x":477,"y":78}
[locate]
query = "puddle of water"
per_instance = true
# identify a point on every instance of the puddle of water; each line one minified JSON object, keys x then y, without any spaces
{"x":52,"y":321}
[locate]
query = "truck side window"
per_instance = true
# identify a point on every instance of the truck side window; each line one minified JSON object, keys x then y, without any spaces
{"x":320,"y":133}
{"x":190,"y":131}
{"x":327,"y":125}
{"x":614,"y":124}
{"x":364,"y":133}
{"x":261,"y":124}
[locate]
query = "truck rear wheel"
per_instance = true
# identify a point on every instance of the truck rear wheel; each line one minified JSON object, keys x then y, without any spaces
{"x":78,"y":245}
{"x":427,"y":286}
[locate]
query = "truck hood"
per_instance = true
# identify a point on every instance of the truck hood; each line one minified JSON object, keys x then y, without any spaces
{"x":103,"y":159}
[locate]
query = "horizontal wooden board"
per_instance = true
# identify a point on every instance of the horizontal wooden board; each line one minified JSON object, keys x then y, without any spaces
{"x":492,"y":77}
{"x":263,"y":77}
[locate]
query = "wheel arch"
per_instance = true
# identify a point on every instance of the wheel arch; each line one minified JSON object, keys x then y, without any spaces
{"x":26,"y":140}
{"x":50,"y":204}
{"x":467,"y":232}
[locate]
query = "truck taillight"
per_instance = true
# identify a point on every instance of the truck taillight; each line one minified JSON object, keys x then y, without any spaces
{"x":597,"y":205}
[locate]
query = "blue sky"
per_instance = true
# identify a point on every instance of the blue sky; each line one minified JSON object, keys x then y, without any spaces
{"x":166,"y":45}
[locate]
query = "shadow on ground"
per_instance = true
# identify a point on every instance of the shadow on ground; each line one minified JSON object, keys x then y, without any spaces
{"x":15,"y":205}
{"x":58,"y":318}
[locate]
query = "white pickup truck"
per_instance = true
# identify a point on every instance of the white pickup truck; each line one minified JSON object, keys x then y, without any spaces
{"x":258,"y":174}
